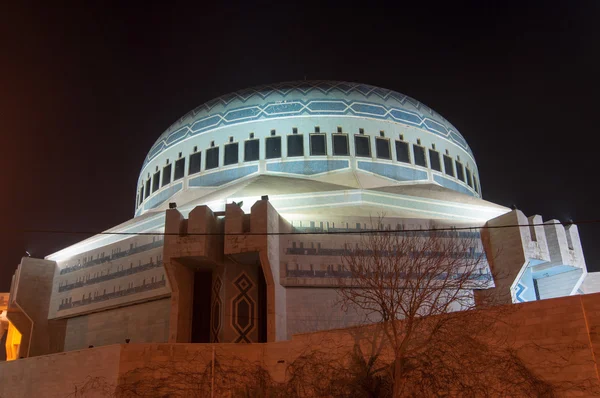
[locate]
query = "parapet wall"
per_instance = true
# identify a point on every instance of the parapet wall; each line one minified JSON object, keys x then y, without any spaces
{"x":57,"y":375}
{"x":540,"y":261}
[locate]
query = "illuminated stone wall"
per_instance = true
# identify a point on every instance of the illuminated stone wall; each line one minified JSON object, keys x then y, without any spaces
{"x":559,"y":331}
{"x":127,"y":271}
{"x":140,"y":323}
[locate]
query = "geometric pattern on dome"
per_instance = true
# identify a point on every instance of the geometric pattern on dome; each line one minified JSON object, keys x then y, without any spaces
{"x":309,"y":87}
{"x":373,"y":102}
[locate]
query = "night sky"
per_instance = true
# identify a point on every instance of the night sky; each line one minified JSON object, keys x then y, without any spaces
{"x":86,"y":90}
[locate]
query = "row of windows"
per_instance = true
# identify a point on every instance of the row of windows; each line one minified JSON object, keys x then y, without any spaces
{"x":100,"y":258}
{"x":102,"y":273}
{"x":318,"y":147}
{"x":121,"y":272}
{"x":118,"y":291}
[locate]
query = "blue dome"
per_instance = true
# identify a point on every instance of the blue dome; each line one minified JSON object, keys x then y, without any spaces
{"x":324,"y":131}
{"x":319,"y":97}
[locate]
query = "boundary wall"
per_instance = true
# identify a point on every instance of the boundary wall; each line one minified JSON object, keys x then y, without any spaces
{"x":565,"y":329}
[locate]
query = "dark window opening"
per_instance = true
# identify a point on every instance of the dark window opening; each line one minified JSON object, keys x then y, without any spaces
{"x":166,"y":175}
{"x":434,"y":160}
{"x":294,"y":130}
{"x":273,"y":147}
{"x":195,"y":162}
{"x":317,"y":145}
{"x":475,"y":184}
{"x":141,"y":196}
{"x":155,"y":181}
{"x":317,"y":129}
{"x":460,"y":171}
{"x":179,"y":169}
{"x":382,"y":148}
{"x":212,"y":158}
{"x":295,"y":145}
{"x":262,"y":306}
{"x":231,"y":154}
{"x":272,"y":132}
{"x":402,"y":152}
{"x":469,"y":178}
{"x":536,"y":289}
{"x":419,"y":152}
{"x":362,"y":146}
{"x":147,"y":190}
{"x":339,"y":130}
{"x":251,"y":150}
{"x":340,"y":145}
{"x":361,"y":131}
{"x":201,"y":314}
{"x":448,"y":169}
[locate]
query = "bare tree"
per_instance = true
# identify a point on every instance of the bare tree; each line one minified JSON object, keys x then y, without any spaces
{"x":419,"y":286}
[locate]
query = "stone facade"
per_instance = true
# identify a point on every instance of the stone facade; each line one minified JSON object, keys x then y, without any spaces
{"x":540,"y":261}
{"x":140,"y":323}
{"x":233,"y":277}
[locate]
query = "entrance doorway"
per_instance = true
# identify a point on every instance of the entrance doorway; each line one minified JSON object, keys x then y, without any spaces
{"x":201,"y":308}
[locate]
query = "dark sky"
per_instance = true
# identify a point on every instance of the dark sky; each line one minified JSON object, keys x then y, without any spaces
{"x":86,"y":90}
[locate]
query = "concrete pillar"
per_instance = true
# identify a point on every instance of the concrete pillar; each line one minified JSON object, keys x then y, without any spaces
{"x":181,"y":279}
{"x":28,"y":308}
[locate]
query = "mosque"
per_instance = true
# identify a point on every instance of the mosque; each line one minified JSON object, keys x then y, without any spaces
{"x":240,"y":215}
